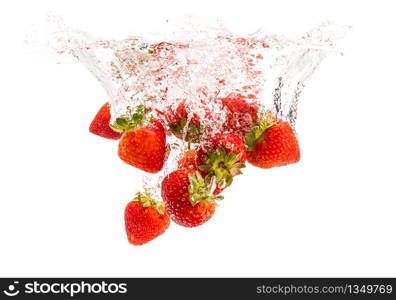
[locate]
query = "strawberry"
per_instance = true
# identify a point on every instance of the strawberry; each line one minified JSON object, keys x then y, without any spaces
{"x":145,"y":219}
{"x":188,"y":198}
{"x":222,"y":157}
{"x":241,"y":115}
{"x":177,"y":121}
{"x":272,"y":143}
{"x":187,"y":161}
{"x":100,"y":124}
{"x":142,"y":146}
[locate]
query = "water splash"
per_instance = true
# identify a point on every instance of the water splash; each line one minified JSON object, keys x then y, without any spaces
{"x":200,"y":64}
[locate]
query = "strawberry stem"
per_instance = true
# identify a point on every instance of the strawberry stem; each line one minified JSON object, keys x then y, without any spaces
{"x":130,"y":120}
{"x":191,"y":132}
{"x":200,"y":190}
{"x":257,"y":131}
{"x":147,"y":201}
{"x":222,"y":165}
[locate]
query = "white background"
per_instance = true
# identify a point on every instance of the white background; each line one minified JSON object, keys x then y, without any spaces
{"x":63,"y":190}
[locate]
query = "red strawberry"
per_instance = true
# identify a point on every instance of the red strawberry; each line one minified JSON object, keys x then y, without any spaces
{"x":142,"y":146}
{"x":100,"y":124}
{"x":272,"y":144}
{"x":177,"y":120}
{"x":188,"y":198}
{"x":145,"y":219}
{"x":187,"y":161}
{"x":222,"y":157}
{"x":241,"y":115}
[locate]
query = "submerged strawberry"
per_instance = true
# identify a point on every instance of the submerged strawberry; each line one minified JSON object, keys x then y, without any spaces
{"x":142,"y":146}
{"x":222,"y":157}
{"x":241,"y":114}
{"x":145,"y":219}
{"x":187,"y":161}
{"x":188,"y":198}
{"x":179,"y":119}
{"x":272,"y":143}
{"x":100,"y":125}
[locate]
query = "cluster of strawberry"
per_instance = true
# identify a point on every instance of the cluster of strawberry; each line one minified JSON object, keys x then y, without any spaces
{"x":190,"y":192}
